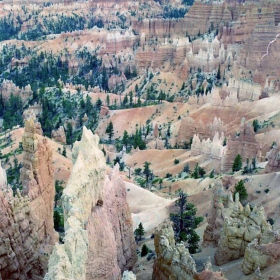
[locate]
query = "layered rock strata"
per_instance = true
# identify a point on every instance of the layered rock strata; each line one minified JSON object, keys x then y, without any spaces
{"x":99,"y":241}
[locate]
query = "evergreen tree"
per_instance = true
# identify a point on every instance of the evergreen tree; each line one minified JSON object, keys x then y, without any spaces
{"x":219,"y":73}
{"x":185,"y":222}
{"x":147,"y":171}
{"x":240,"y":188}
{"x":64,"y":151}
{"x":125,"y":139}
{"x":139,"y":232}
{"x":110,"y":130}
{"x":144,"y":250}
{"x":256,"y":125}
{"x":237,"y":164}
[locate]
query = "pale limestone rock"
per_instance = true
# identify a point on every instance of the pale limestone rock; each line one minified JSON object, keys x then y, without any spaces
{"x":128,"y":275}
{"x":259,"y":256}
{"x":173,"y":260}
{"x":97,"y":218}
{"x":240,"y":227}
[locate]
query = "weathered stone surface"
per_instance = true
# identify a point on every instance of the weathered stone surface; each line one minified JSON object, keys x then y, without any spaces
{"x":260,"y":256}
{"x":99,"y":241}
{"x":37,"y":180}
{"x":173,"y":260}
{"x":59,"y":135}
{"x":128,"y":275}
{"x":273,"y":157}
{"x":240,"y":227}
{"x":19,"y":242}
{"x":221,"y":199}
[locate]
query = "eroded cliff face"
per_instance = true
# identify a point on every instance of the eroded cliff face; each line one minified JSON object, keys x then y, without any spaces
{"x":99,"y":241}
{"x":37,"y":180}
{"x":19,"y":239}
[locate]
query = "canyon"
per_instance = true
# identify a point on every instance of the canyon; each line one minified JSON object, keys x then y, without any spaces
{"x":121,"y":102}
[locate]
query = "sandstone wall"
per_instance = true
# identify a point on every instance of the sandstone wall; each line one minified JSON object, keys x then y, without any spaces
{"x":97,"y":220}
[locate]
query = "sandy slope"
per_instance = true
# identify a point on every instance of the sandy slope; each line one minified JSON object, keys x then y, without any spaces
{"x":146,"y":207}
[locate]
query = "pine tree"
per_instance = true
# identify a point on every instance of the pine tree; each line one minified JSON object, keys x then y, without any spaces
{"x":144,"y":250}
{"x":125,"y":139}
{"x":147,"y":171}
{"x":237,"y":164}
{"x":185,"y":222}
{"x":110,"y":130}
{"x":139,"y":232}
{"x":240,"y":188}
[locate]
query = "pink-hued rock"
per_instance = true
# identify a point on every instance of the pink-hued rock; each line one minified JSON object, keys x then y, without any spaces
{"x":37,"y":180}
{"x":59,"y":135}
{"x":19,"y":240}
{"x":273,"y":163}
{"x":97,"y":220}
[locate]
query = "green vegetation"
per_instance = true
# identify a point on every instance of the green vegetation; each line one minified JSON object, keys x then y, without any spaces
{"x":237,"y":164}
{"x":240,"y":188}
{"x":198,"y":172}
{"x":139,"y":232}
{"x":144,"y":250}
{"x":185,"y":222}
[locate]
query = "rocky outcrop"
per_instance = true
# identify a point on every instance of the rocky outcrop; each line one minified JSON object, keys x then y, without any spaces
{"x":99,"y":241}
{"x":37,"y":180}
{"x":19,"y":258}
{"x":221,"y":200}
{"x":128,"y":275}
{"x":273,"y":160}
{"x":7,"y":87}
{"x":260,"y":256}
{"x":241,"y":226}
{"x":173,"y":260}
{"x":244,"y":143}
{"x":115,"y":82}
{"x":59,"y":135}
{"x":30,"y":114}
{"x":189,"y":127}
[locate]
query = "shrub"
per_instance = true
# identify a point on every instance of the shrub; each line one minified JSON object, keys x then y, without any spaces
{"x":144,"y":250}
{"x":176,"y":161}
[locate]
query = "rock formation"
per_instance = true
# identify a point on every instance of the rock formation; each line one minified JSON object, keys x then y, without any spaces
{"x":37,"y":180}
{"x":260,"y":255}
{"x":241,"y":226}
{"x":243,"y":143}
{"x":128,"y":275}
{"x":97,"y":220}
{"x":30,"y":114}
{"x":190,"y":126}
{"x":59,"y":135}
{"x":273,"y":157}
{"x":19,"y":237}
{"x":173,"y":260}
{"x":221,"y":200}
